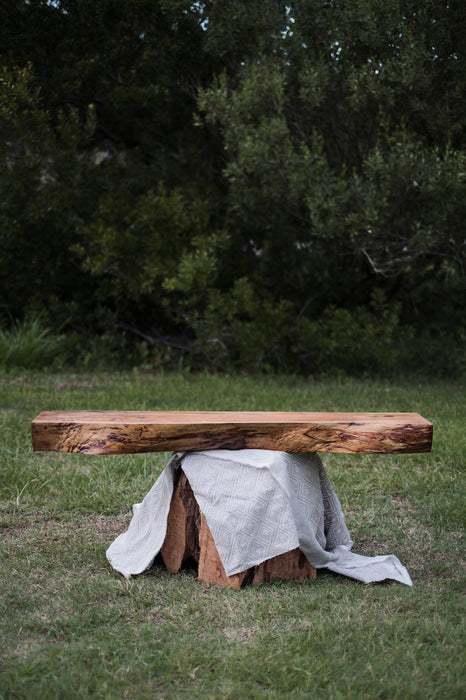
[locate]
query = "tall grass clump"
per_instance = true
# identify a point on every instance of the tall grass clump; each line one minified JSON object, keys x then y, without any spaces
{"x":29,"y":344}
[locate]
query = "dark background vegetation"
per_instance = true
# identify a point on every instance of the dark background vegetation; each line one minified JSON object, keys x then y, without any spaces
{"x":235,"y":185}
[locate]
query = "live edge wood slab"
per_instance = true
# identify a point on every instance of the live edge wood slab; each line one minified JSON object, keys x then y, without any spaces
{"x":126,"y":432}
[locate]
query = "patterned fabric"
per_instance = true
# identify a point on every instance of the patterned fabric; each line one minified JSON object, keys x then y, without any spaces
{"x":258,"y":504}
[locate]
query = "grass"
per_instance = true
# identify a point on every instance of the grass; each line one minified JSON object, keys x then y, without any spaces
{"x":71,"y":627}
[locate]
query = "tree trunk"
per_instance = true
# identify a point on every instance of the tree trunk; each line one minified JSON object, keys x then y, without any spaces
{"x":189,"y":537}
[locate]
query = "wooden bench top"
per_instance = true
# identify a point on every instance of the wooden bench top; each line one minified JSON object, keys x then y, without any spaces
{"x":125,"y":432}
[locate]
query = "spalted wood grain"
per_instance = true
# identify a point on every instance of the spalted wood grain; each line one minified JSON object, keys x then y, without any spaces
{"x":124,"y":432}
{"x":189,"y":537}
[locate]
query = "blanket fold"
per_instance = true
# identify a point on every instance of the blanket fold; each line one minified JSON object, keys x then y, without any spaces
{"x":258,"y":504}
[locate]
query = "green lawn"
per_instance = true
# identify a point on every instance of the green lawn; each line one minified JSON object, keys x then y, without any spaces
{"x":71,"y":627}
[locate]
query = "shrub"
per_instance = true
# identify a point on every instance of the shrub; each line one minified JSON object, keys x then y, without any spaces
{"x":28,"y":344}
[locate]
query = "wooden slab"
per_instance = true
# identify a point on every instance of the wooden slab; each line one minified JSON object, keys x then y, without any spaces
{"x":125,"y":432}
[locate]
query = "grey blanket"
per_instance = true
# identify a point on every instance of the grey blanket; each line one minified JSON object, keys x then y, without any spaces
{"x":258,"y":504}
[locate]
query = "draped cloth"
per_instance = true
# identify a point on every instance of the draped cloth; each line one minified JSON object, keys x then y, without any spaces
{"x":258,"y":504}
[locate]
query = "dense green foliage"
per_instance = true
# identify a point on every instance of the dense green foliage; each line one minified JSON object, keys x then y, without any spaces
{"x":259,"y":185}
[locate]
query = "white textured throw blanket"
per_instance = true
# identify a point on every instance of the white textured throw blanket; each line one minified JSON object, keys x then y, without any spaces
{"x":258,"y":504}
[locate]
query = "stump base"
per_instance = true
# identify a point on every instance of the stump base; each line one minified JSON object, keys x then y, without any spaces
{"x":189,"y":537}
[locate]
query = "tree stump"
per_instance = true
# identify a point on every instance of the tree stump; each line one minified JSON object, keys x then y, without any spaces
{"x":183,"y":524}
{"x":189,"y":537}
